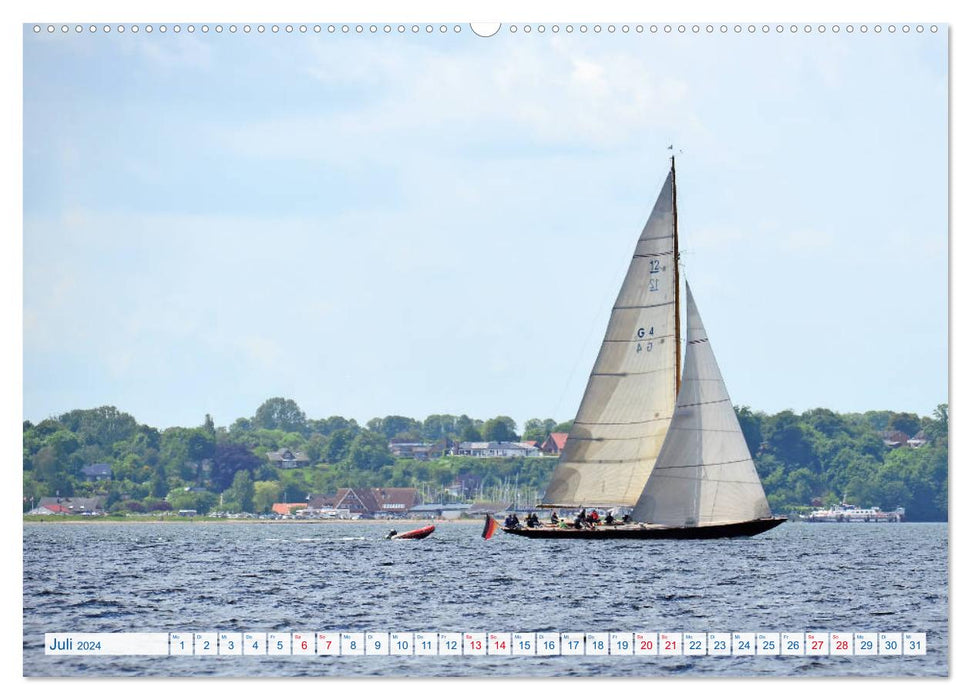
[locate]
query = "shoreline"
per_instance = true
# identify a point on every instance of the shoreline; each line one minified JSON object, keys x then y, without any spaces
{"x":249,"y":521}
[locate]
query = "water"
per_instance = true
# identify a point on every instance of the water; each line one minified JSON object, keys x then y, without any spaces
{"x":268,"y":577}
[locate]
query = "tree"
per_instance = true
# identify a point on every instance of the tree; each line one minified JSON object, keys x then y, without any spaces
{"x":241,"y":492}
{"x":327,"y":426}
{"x":103,"y":426}
{"x":471,"y":434}
{"x":265,"y":494}
{"x":907,"y":423}
{"x":789,"y":440}
{"x":315,"y":447}
{"x":199,"y":501}
{"x":159,"y":485}
{"x":751,"y":425}
{"x":338,"y":445}
{"x":369,"y":451}
{"x":877,"y":420}
{"x":395,"y":426}
{"x":936,"y":428}
{"x":499,"y":429}
{"x":824,"y":421}
{"x":280,"y":414}
{"x":201,"y":444}
{"x":438,"y":427}
{"x":229,"y":459}
{"x":468,"y":429}
{"x":537,"y":429}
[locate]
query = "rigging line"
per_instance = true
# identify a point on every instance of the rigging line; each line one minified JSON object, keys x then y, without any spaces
{"x":613,"y":439}
{"x":627,"y":374}
{"x":641,"y":306}
{"x":633,"y":460}
{"x":633,"y":422}
{"x":703,"y":403}
{"x":717,"y":481}
{"x":704,"y":464}
{"x":702,"y":430}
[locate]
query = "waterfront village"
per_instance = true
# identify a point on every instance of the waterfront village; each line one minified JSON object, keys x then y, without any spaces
{"x":376,"y":503}
{"x":351,"y":503}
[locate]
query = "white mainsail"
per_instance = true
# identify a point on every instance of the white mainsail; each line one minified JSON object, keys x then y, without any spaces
{"x":704,"y":473}
{"x":629,"y":399}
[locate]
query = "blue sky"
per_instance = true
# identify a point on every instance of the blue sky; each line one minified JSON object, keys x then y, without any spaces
{"x":438,"y":223}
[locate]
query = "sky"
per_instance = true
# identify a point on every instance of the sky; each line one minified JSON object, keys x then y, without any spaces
{"x":420,"y":223}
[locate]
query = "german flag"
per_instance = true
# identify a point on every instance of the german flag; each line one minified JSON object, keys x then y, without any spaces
{"x":490,"y":527}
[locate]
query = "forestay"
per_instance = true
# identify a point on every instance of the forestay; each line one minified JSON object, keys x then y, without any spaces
{"x":704,"y":473}
{"x":629,"y":399}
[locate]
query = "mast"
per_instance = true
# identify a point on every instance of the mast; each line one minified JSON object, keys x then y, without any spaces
{"x":677,"y":285}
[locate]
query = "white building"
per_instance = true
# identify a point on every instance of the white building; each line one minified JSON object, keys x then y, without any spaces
{"x":497,"y":449}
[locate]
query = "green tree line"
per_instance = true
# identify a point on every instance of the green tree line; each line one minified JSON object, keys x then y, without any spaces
{"x":816,"y":457}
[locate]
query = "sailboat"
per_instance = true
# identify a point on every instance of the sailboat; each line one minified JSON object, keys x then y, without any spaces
{"x":649,"y":437}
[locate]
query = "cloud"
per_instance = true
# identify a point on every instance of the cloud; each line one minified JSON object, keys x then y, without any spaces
{"x":560,"y":92}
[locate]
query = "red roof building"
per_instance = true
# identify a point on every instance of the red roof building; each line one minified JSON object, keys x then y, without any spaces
{"x":284,"y":508}
{"x":554,"y":444}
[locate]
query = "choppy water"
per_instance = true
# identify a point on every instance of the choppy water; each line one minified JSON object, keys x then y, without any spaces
{"x":266,"y":577}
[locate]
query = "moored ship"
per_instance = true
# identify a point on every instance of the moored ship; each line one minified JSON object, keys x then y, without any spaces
{"x":846,"y":513}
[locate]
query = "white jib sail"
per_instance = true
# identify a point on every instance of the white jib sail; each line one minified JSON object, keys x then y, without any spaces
{"x":704,"y":473}
{"x":629,"y":399}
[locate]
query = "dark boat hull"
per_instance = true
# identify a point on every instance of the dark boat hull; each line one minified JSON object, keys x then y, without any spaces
{"x":747,"y":528}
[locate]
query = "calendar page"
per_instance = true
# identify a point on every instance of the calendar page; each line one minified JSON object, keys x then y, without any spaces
{"x":387,"y":347}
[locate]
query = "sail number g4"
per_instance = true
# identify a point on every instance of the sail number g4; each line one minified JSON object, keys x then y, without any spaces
{"x":645,"y":333}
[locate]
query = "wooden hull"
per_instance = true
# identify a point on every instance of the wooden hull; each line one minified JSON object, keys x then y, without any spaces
{"x":419,"y":534}
{"x":638,"y":531}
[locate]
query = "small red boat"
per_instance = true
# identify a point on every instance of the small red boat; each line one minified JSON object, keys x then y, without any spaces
{"x":419,"y":534}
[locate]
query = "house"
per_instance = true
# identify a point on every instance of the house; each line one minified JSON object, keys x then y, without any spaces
{"x":287,"y":459}
{"x":73,"y":506}
{"x":894,"y":438}
{"x":284,"y":508}
{"x":321,"y":501}
{"x":496,"y":449}
{"x":416,"y":450}
{"x":367,"y":501}
{"x":446,"y":511}
{"x":51,"y":509}
{"x":96,"y":472}
{"x":554,"y":443}
{"x":356,"y":501}
{"x":919,"y":440}
{"x":395,"y":501}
